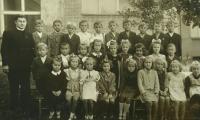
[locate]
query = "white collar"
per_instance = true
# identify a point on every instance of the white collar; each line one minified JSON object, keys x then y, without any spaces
{"x":171,"y":34}
{"x":70,"y":36}
{"x":20,"y":29}
{"x":56,"y":73}
{"x":39,"y":33}
{"x":64,"y":56}
{"x":43,"y":58}
{"x":95,"y":54}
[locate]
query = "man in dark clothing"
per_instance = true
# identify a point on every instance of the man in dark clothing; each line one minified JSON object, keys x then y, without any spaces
{"x":17,"y":52}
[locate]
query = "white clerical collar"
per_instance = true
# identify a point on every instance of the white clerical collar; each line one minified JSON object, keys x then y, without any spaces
{"x":56,"y":73}
{"x":20,"y":29}
{"x":43,"y":58}
{"x":171,"y":34}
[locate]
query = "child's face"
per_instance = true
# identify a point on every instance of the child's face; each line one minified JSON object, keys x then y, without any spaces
{"x":89,"y":65}
{"x":65,"y":49}
{"x":196,"y":70}
{"x":131,"y":67}
{"x":113,"y":49}
{"x":57,"y":26}
{"x":139,"y":52}
{"x":56,"y":66}
{"x":70,"y":29}
{"x":98,"y":28}
{"x":148,"y":64}
{"x":97,"y":46}
{"x":142,"y":29}
{"x":157,"y":28}
{"x":113,"y":27}
{"x":106,"y":67}
{"x":74,"y":63}
{"x":84,"y":26}
{"x":83,"y":50}
{"x":156,"y":48}
{"x":170,"y":51}
{"x":42,"y":51}
{"x":127,"y":26}
{"x":159,"y":65}
{"x":125,"y":48}
{"x":175,"y":68}
{"x":39,"y":28}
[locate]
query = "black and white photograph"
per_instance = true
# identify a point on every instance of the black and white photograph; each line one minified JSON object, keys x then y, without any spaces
{"x":99,"y":59}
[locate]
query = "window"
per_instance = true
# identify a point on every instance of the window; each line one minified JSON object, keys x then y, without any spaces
{"x":103,"y":7}
{"x":11,"y":8}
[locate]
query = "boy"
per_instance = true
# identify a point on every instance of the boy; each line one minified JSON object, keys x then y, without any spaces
{"x":98,"y":26}
{"x":85,"y":37}
{"x":172,"y":37}
{"x":112,"y":35}
{"x":71,"y":38}
{"x":41,"y":66}
{"x":55,"y":38}
{"x":127,"y":34}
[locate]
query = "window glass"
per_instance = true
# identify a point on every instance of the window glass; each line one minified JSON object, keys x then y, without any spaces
{"x":109,"y":6}
{"x":90,"y":6}
{"x":32,"y":5}
{"x":12,"y":5}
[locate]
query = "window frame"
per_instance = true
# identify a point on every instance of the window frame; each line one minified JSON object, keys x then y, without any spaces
{"x":17,"y":12}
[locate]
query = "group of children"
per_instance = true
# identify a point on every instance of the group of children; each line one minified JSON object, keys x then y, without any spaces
{"x":99,"y":68}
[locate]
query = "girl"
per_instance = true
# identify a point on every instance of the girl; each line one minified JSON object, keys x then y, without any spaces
{"x":148,"y":84}
{"x":128,"y":88}
{"x":97,"y":53}
{"x":156,"y":52}
{"x":83,"y":54}
{"x":161,"y":67}
{"x":107,"y":90}
{"x":56,"y":88}
{"x":73,"y":87}
{"x":175,"y":84}
{"x":139,"y":55}
{"x":88,"y":88}
{"x":65,"y":53}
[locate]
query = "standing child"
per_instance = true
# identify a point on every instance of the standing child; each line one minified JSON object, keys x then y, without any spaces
{"x":97,"y":53}
{"x":56,"y":88}
{"x":85,"y":36}
{"x":148,"y":84}
{"x":89,"y":88}
{"x":83,"y":54}
{"x":112,"y":35}
{"x":156,"y":52}
{"x":175,"y":85}
{"x":107,"y":90}
{"x":72,"y":38}
{"x":39,"y":35}
{"x":128,"y":88}
{"x":164,"y":101}
{"x":41,"y":66}
{"x":64,"y":54}
{"x":74,"y":75}
{"x":98,"y":34}
{"x":139,"y":55}
{"x":55,"y":38}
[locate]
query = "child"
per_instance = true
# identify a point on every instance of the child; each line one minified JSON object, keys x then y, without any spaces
{"x":175,"y":84}
{"x":128,"y":88}
{"x":89,"y":89}
{"x":164,"y":101}
{"x":39,"y":35}
{"x":170,"y":56}
{"x":41,"y":66}
{"x":107,"y":90}
{"x":156,"y":52}
{"x":172,"y":37}
{"x":148,"y":84}
{"x":85,"y":37}
{"x":127,"y":34}
{"x":113,"y":56}
{"x":83,"y":54}
{"x":97,"y":53}
{"x":98,"y":26}
{"x":143,"y":37}
{"x":72,"y":38}
{"x":56,"y":88}
{"x":74,"y":75}
{"x":55,"y":38}
{"x":139,"y":55}
{"x":65,"y":53}
{"x":112,"y":35}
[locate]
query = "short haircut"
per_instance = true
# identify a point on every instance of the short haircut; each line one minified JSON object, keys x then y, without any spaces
{"x":41,"y":45}
{"x":90,"y":59}
{"x":83,"y":21}
{"x":83,"y":45}
{"x":104,"y":61}
{"x":176,"y":62}
{"x":126,"y":21}
{"x":73,"y":57}
{"x":146,"y":59}
{"x":171,"y":45}
{"x":125,"y":41}
{"x":20,"y":16}
{"x":142,"y":25}
{"x":139,"y":46}
{"x":71,"y":25}
{"x":57,"y":59}
{"x":98,"y":23}
{"x":63,"y":43}
{"x":57,"y":21}
{"x":158,"y":60}
{"x":130,"y":61}
{"x":194,"y":64}
{"x":170,"y":23}
{"x":112,"y":22}
{"x":39,"y":22}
